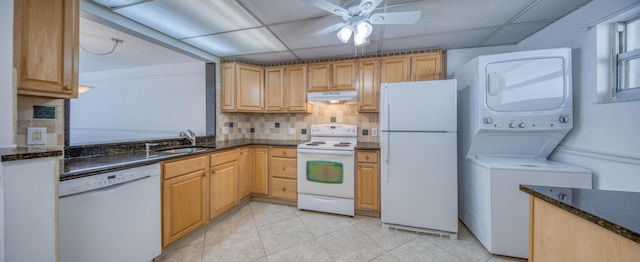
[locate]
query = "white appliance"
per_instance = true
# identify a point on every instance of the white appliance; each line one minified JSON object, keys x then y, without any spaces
{"x":419,"y":164}
{"x":326,"y":169}
{"x":514,"y":109}
{"x":111,"y":217}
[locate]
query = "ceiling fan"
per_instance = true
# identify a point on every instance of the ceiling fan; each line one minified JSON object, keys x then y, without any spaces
{"x":358,"y":19}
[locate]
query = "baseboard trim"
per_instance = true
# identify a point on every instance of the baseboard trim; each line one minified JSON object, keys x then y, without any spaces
{"x":615,"y":157}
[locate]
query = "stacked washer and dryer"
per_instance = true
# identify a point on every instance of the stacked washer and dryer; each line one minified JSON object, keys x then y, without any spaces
{"x":513,"y":110}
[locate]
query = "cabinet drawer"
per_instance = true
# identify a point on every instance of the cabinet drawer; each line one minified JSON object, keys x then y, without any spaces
{"x":284,"y":188}
{"x":223,"y":157}
{"x":367,"y":156}
{"x":182,"y":167}
{"x":284,"y":168}
{"x":284,"y":152}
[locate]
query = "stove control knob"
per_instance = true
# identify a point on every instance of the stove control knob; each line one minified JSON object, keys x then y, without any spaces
{"x":522,"y":125}
{"x":563,"y":119}
{"x":487,"y":120}
{"x":512,"y":125}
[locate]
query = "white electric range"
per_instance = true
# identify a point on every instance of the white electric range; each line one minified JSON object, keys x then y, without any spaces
{"x":326,"y":169}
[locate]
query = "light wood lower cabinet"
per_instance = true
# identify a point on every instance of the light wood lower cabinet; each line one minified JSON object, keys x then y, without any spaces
{"x":223,"y":185}
{"x":283,"y":173}
{"x":260,"y":174}
{"x":184,"y":197}
{"x":244,"y":172}
{"x":367,"y":181}
{"x":557,"y":235}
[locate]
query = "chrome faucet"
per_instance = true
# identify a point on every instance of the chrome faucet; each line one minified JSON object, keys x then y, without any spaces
{"x":148,"y":145}
{"x":189,"y":135}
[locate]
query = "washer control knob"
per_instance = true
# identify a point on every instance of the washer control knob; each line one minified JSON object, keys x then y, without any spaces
{"x":487,"y":120}
{"x":522,"y":125}
{"x":75,"y":189}
{"x":563,"y":119}
{"x":512,"y":125}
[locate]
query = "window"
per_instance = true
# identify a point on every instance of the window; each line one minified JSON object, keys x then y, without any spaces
{"x":626,"y":60}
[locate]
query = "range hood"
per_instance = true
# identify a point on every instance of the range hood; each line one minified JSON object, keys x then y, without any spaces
{"x":333,"y":97}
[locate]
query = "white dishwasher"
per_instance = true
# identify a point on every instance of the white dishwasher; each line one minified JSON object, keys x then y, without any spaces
{"x":111,"y":217}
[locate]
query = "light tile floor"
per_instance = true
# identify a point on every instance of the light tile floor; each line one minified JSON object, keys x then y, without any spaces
{"x":261,"y":231}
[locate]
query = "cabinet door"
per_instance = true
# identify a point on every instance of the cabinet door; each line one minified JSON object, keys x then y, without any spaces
{"x":426,"y":67}
{"x":274,"y":89}
{"x":367,"y":187}
{"x":319,"y":77}
{"x":250,"y":88}
{"x":183,"y":205}
{"x":244,"y":172}
{"x":284,"y":188}
{"x":296,"y":88}
{"x":228,"y":87}
{"x":260,"y":157}
{"x":369,"y":81}
{"x":46,"y":47}
{"x":395,"y":69}
{"x":222,"y":189}
{"x":344,"y":76}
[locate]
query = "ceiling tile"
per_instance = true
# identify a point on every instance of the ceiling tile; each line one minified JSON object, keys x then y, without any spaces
{"x":182,"y":19}
{"x":283,"y":11}
{"x":250,"y":41}
{"x":512,"y":34}
{"x":341,"y":50}
{"x":450,"y":15}
{"x":267,"y":57}
{"x":550,"y":9}
{"x":447,"y":40}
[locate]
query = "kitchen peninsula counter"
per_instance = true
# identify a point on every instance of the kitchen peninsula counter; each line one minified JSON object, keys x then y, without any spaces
{"x":599,"y":224}
{"x":125,"y":157}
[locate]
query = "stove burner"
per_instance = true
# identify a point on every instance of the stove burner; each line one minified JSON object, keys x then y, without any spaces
{"x":342,"y":145}
{"x":316,"y":143}
{"x":313,"y":144}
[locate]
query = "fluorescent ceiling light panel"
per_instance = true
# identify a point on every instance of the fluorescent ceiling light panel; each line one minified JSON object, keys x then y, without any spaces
{"x":250,"y":41}
{"x":183,"y":19}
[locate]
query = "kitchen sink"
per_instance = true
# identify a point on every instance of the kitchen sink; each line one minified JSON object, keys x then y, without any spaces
{"x":184,"y":150}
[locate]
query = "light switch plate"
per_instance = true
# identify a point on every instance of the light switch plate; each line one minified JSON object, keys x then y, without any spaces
{"x":36,"y":135}
{"x":374,"y":132}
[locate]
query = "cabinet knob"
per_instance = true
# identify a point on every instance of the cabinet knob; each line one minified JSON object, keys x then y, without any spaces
{"x":284,"y":153}
{"x":284,"y":168}
{"x":366,"y":157}
{"x":67,"y":87}
{"x":284,"y":189}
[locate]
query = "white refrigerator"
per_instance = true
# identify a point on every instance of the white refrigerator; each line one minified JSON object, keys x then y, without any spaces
{"x":419,"y":183}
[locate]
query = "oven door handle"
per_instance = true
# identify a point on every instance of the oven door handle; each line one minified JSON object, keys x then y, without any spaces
{"x":326,"y":152}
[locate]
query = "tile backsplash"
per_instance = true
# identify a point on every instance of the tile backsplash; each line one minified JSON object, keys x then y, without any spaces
{"x":264,"y":125}
{"x":40,"y":112}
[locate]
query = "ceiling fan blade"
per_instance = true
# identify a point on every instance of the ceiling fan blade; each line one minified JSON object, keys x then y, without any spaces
{"x":367,"y":6}
{"x":327,"y":30}
{"x":328,"y":6}
{"x":404,"y":18}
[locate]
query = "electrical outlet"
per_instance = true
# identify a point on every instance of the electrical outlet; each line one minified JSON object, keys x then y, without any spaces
{"x":374,"y":132}
{"x":225,"y":130}
{"x":292,"y":131}
{"x":36,"y":135}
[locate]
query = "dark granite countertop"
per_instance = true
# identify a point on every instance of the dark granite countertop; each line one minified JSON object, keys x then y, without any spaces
{"x":21,"y":153}
{"x":367,"y":146}
{"x":616,"y":211}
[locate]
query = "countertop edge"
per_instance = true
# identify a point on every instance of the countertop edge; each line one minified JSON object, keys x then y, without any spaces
{"x":613,"y":227}
{"x":30,"y":155}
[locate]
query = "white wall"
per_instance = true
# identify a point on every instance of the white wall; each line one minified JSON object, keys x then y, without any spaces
{"x":138,"y":103}
{"x":7,"y":97}
{"x":458,"y":57}
{"x":605,"y":137}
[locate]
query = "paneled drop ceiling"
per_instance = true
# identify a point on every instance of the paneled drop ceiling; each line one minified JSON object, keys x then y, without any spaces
{"x":278,"y":30}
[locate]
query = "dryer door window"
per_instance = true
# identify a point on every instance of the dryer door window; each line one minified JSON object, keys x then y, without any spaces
{"x":526,"y":85}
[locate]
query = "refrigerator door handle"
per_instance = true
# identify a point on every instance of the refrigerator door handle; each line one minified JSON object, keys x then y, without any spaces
{"x":387,"y":157}
{"x":386,"y":134}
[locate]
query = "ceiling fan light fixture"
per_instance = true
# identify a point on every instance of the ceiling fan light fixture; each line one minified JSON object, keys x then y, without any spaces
{"x":363,"y":28}
{"x":359,"y":41}
{"x":345,"y":34}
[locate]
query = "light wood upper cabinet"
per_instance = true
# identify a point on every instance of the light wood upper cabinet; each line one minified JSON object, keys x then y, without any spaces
{"x":319,"y":77}
{"x":426,"y":67}
{"x":369,"y":85}
{"x":46,"y":47}
{"x":250,"y":88}
{"x":296,"y":89}
{"x":228,"y":88}
{"x":184,"y":201}
{"x":344,"y":76}
{"x":395,"y":69}
{"x":274,"y":89}
{"x":260,"y":158}
{"x":367,"y":181}
{"x":244,"y":172}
